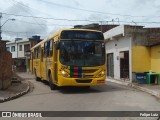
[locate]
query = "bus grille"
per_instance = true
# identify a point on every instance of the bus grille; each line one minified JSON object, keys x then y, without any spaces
{"x":88,"y":73}
{"x":79,"y":72}
{"x":83,"y":81}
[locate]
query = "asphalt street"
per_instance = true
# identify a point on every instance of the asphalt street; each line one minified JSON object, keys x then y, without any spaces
{"x":111,"y":97}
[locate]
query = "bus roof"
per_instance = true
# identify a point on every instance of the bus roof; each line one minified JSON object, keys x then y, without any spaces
{"x":76,"y":29}
{"x":40,"y":43}
{"x":58,"y":33}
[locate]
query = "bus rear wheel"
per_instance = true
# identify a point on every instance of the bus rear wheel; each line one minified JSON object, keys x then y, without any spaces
{"x":52,"y":86}
{"x":37,"y":78}
{"x":87,"y":87}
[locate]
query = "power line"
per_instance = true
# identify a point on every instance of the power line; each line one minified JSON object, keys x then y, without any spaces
{"x":28,"y":12}
{"x":34,"y":17}
{"x":50,"y":15}
{"x":43,"y":24}
{"x":93,"y":11}
{"x":36,"y":9}
{"x":39,"y":17}
{"x":48,"y":24}
{"x":52,"y":3}
{"x":17,"y":32}
{"x":153,"y":22}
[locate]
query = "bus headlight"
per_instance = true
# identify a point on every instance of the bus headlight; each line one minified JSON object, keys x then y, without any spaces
{"x":64,"y":73}
{"x":101,"y":74}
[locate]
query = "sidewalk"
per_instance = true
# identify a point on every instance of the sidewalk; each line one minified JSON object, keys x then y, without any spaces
{"x":151,"y":89}
{"x":26,"y":75}
{"x":18,"y":88}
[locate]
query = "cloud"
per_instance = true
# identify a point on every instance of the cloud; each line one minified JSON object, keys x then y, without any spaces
{"x":97,"y":17}
{"x":22,"y":24}
{"x":59,"y":9}
{"x":76,"y":3}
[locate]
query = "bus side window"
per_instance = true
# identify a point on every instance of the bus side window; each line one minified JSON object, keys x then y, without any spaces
{"x":55,"y":52}
{"x":45,"y":49}
{"x":34,"y":53}
{"x":42,"y":55}
{"x":48,"y":47}
{"x":38,"y":53}
{"x":51,"y":48}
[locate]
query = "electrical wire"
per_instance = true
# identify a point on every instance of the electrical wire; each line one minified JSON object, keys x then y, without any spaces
{"x":93,"y":11}
{"x":41,"y":26}
{"x":72,"y":20}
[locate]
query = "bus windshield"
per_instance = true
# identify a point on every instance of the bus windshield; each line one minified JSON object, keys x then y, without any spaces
{"x":82,"y":53}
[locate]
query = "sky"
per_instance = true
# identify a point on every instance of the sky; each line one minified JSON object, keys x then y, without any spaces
{"x":44,"y":17}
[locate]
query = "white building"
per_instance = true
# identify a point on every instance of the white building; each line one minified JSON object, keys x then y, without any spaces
{"x":20,"y":50}
{"x":119,"y":42}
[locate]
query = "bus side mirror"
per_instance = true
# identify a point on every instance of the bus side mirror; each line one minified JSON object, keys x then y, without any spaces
{"x":57,"y":45}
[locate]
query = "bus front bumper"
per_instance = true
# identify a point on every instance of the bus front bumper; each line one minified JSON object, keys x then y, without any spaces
{"x":64,"y":81}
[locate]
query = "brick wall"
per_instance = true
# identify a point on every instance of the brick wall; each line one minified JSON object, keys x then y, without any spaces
{"x":93,"y":26}
{"x":153,"y":35}
{"x":5,"y":68}
{"x":2,"y":45}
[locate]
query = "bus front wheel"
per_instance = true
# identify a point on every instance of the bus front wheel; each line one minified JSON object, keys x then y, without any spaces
{"x":52,"y":86}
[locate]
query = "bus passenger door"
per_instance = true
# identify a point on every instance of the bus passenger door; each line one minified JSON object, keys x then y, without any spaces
{"x":43,"y":66}
{"x":55,"y":61}
{"x":31,"y":63}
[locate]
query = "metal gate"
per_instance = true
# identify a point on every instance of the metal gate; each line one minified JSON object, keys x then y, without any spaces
{"x":110,"y":65}
{"x":124,"y":64}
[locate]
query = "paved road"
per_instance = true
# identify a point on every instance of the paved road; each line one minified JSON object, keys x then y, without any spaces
{"x":106,"y":98}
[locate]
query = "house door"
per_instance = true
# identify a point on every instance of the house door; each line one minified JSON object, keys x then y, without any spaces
{"x":110,"y":65}
{"x":124,"y":64}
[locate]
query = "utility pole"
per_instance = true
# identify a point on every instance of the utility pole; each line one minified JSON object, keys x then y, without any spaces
{"x":101,"y":25}
{"x":135,"y":26}
{"x":0,"y":27}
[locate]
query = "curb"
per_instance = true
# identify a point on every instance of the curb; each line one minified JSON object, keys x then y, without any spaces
{"x":154,"y":93}
{"x":17,"y":95}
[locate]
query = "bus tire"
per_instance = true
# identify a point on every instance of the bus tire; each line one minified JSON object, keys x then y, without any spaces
{"x":87,"y":87}
{"x":52,"y":86}
{"x":37,"y":78}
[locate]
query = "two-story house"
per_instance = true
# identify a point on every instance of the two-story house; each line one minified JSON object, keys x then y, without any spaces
{"x":20,"y":49}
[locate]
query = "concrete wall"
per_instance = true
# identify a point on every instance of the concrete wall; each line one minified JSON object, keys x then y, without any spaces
{"x":146,"y":58}
{"x":117,"y":31}
{"x":115,"y":46}
{"x":139,"y":39}
{"x":141,"y":59}
{"x":5,"y":69}
{"x":155,"y":58}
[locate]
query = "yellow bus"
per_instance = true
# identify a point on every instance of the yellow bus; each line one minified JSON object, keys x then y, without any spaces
{"x":70,"y":57}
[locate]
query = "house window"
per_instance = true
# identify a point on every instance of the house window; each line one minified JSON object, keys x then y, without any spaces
{"x":27,"y":47}
{"x":8,"y":49}
{"x":12,"y":48}
{"x":20,"y":47}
